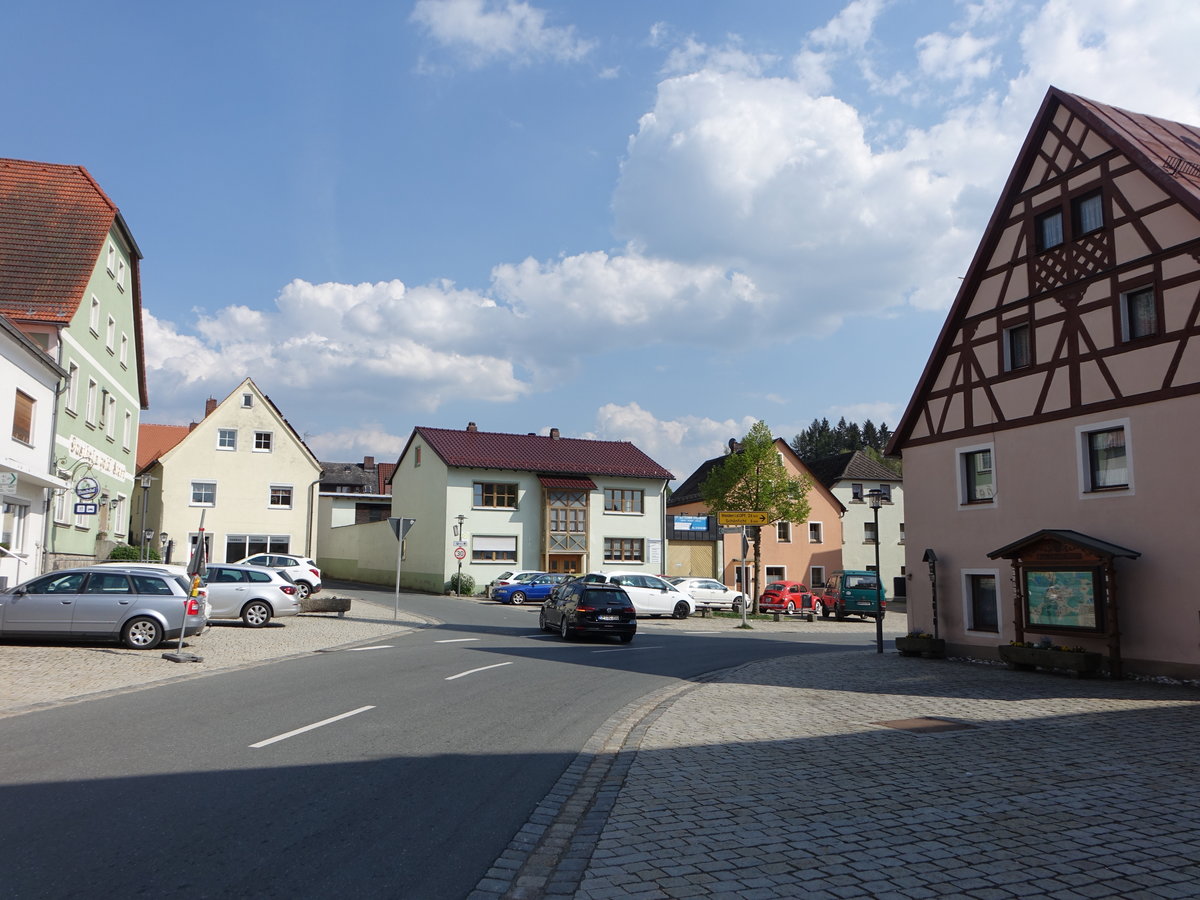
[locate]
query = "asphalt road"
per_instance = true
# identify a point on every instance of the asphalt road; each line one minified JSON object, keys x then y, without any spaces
{"x":429,"y":753}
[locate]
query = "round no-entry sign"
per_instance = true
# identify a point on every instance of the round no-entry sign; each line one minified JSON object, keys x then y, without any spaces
{"x":460,"y":553}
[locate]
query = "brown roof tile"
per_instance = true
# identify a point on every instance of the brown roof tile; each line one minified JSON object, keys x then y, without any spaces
{"x":155,"y":440}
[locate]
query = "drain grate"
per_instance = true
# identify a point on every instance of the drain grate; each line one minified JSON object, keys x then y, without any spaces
{"x":924,"y":725}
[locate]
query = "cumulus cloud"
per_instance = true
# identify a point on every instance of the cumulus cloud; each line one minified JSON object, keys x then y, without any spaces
{"x":483,"y":32}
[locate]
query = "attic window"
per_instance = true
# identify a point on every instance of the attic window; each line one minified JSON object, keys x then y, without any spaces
{"x":247,"y":401}
{"x":1048,"y":229}
{"x":1087,"y":213}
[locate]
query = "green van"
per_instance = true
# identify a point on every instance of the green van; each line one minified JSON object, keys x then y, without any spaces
{"x":851,"y":593}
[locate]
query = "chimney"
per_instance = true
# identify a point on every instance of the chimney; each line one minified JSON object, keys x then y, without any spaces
{"x":471,"y":426}
{"x":554,"y":434}
{"x":209,"y":406}
{"x":192,"y":426}
{"x":368,"y":462}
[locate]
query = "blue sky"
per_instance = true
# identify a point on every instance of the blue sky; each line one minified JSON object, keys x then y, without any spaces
{"x":631,"y":220}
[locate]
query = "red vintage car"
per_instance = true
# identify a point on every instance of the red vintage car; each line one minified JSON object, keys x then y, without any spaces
{"x":785,"y":597}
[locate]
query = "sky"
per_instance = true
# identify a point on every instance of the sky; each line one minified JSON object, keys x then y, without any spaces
{"x":648,"y":220}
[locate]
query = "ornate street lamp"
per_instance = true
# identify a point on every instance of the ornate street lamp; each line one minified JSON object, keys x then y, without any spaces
{"x":875,"y":498}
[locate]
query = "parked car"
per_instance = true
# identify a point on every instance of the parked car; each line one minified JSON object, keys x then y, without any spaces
{"x":251,"y":593}
{"x":303,"y":571}
{"x":786,"y":597}
{"x":710,"y":592}
{"x":852,"y":593}
{"x":536,"y":588}
{"x":651,"y":595}
{"x":509,"y":577}
{"x":138,"y":607}
{"x":587,"y":607}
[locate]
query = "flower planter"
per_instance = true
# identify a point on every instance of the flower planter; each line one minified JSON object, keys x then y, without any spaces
{"x":315,"y":603}
{"x":1080,"y":663}
{"x":927,"y":647}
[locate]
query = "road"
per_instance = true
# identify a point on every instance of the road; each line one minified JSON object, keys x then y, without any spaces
{"x":430,"y":751}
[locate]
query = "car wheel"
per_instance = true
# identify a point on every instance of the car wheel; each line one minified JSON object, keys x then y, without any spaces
{"x":256,"y":614}
{"x":142,"y":633}
{"x":563,"y":630}
{"x":518,"y":597}
{"x":820,"y":610}
{"x":625,"y":638}
{"x":791,"y":607}
{"x":682,"y":611}
{"x":303,"y":589}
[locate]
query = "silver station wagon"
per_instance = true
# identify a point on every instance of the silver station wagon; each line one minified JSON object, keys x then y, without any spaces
{"x":250,"y":593}
{"x":138,"y":607}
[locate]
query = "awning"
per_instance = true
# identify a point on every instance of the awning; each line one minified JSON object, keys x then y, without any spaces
{"x":570,"y":484}
{"x":36,"y":478}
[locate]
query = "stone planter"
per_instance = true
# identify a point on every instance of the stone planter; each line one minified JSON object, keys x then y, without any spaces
{"x":323,"y":602}
{"x":927,"y":647}
{"x":1080,"y":663}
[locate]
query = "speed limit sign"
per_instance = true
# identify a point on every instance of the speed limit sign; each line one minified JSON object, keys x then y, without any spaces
{"x":460,"y":553}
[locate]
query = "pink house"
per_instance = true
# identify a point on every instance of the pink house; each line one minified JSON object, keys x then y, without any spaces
{"x":1044,"y":445}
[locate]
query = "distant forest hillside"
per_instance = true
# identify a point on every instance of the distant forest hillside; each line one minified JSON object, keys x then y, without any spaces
{"x":820,"y":439}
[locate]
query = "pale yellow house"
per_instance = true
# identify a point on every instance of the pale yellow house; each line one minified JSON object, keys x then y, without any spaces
{"x":242,"y":467}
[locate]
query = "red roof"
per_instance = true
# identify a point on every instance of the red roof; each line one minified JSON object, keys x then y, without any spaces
{"x":535,"y":453}
{"x":155,"y":440}
{"x":384,"y":471}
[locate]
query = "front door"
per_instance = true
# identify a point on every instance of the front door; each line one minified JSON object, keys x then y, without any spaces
{"x":565,"y":563}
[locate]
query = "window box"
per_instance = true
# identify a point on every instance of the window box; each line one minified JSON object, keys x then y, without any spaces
{"x":919,"y":645}
{"x":1080,"y":663}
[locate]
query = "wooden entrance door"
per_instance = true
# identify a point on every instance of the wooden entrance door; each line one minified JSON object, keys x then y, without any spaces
{"x":565,"y":563}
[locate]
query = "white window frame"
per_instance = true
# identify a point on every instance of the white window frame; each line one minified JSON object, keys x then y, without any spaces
{"x":123,"y":355}
{"x":820,"y":532}
{"x":118,"y":521}
{"x":1083,"y":461}
{"x":814,"y":579}
{"x":960,"y":477}
{"x":271,"y":504}
{"x":60,"y":507}
{"x":870,"y":528}
{"x":72,"y":386}
{"x":127,"y":433}
{"x":768,"y":578}
{"x":494,"y":543}
{"x":965,"y":584}
{"x":247,"y":401}
{"x":120,"y":275}
{"x":783,"y":532}
{"x":221,"y":432}
{"x":32,"y":403}
{"x":110,"y":335}
{"x":110,"y":418}
{"x":270,"y":441}
{"x":94,"y":316}
{"x":90,"y":413}
{"x":110,"y":260}
{"x":192,"y":493}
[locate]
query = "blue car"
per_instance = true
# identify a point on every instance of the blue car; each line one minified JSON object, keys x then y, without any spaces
{"x":537,"y":588}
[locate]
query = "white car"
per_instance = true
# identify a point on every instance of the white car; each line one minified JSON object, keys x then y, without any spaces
{"x":506,"y":578}
{"x":710,"y":592}
{"x":253,"y":594}
{"x":300,"y":569}
{"x":651,"y":595}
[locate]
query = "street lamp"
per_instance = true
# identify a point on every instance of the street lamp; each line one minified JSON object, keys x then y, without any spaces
{"x":875,"y":498}
{"x":146,"y":479}
{"x":931,"y":558}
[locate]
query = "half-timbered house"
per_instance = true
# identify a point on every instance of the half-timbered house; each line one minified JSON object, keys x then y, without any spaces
{"x":1061,"y":403}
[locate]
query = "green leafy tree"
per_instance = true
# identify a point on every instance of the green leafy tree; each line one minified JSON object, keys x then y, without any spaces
{"x":754,"y":479}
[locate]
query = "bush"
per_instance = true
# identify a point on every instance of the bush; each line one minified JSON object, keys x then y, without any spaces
{"x":126,"y":553}
{"x":465,"y":587}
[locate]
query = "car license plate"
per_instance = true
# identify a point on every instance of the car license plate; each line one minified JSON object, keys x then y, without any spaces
{"x":609,"y":618}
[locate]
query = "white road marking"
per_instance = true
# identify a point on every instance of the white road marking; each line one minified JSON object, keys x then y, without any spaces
{"x":284,"y":737}
{"x":455,"y":640}
{"x":480,"y":669}
{"x":376,"y":647}
{"x":627,"y":649}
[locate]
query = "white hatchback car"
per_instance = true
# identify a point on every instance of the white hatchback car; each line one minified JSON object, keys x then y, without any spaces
{"x":302,"y":570}
{"x":711,"y":593}
{"x":651,"y":595}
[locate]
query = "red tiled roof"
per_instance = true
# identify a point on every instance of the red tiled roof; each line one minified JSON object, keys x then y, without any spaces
{"x":583,"y":484}
{"x":385,"y":471}
{"x":155,"y":440}
{"x":53,"y":223}
{"x":534,"y":453}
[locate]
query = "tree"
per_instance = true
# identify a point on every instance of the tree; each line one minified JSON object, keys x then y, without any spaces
{"x":754,"y":479}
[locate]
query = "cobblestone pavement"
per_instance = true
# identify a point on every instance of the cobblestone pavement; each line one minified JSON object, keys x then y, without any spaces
{"x":37,"y":676}
{"x":783,"y":779}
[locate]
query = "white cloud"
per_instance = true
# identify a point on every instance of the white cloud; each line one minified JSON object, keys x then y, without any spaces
{"x":350,"y":444}
{"x":851,"y":28}
{"x":962,"y":58}
{"x":484,"y":31}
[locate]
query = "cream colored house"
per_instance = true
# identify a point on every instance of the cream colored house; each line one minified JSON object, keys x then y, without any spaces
{"x":242,"y":467}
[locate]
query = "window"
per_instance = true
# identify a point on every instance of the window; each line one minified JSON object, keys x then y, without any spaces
{"x":1048,"y":230}
{"x":240,"y":546}
{"x":204,"y":493}
{"x":110,"y":261}
{"x":262,"y":441}
{"x":118,"y":520}
{"x":127,"y":431}
{"x":12,"y":524}
{"x":493,"y":548}
{"x":502,"y":496}
{"x":103,"y":405}
{"x":417,"y":458}
{"x":247,"y":401}
{"x":885,"y":493}
{"x":1018,"y":347}
{"x":120,"y":274}
{"x":901,"y":537}
{"x":1105,"y":457}
{"x":281,"y":496}
{"x":816,"y":577}
{"x":856,"y":493}
{"x":94,"y":316}
{"x":978,"y":479}
{"x":1139,"y":314}
{"x":815,"y":535}
{"x":783,"y":532}
{"x":624,"y":501}
{"x":72,"y":387}
{"x":22,"y":425}
{"x":870,"y":534}
{"x":775,"y":573}
{"x":124,"y":355}
{"x":1087,"y":213}
{"x":90,"y":414}
{"x":110,"y":334}
{"x":982,"y":612}
{"x":226,"y":438}
{"x":110,"y":421}
{"x":624,"y":549}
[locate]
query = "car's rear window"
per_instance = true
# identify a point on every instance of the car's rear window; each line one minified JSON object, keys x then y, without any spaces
{"x":607,"y":598}
{"x":148,"y":584}
{"x":777,"y":586}
{"x":251,"y":575}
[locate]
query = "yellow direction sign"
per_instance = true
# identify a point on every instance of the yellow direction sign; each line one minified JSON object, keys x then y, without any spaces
{"x":741,"y":518}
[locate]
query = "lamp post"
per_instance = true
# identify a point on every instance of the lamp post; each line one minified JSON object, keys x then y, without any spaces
{"x":458,"y":533}
{"x":144,"y":555}
{"x":875,"y":498}
{"x":162,"y":547}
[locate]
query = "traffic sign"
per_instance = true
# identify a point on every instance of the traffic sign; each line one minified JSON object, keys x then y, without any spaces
{"x":8,"y":482}
{"x":460,"y":552}
{"x":86,"y":509}
{"x":400,"y":527}
{"x":742,"y":518}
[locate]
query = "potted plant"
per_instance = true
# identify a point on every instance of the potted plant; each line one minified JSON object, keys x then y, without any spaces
{"x":1045,"y":654}
{"x":921,"y":643}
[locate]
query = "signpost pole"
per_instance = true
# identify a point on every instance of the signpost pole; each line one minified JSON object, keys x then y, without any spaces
{"x":400,"y":527}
